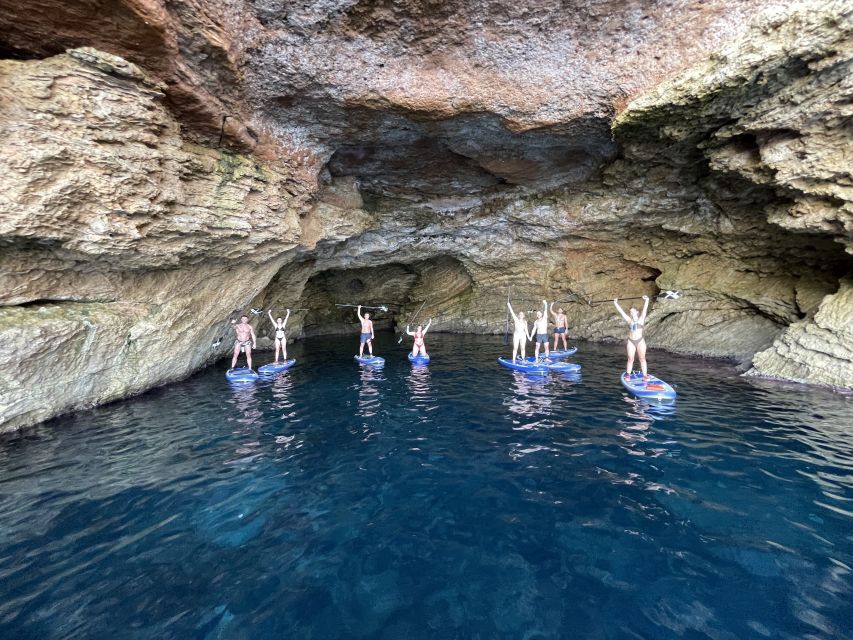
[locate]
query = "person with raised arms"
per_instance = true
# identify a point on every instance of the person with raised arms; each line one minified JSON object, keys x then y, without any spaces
{"x":280,"y":337}
{"x":246,"y":341}
{"x":419,"y":347}
{"x":519,"y":336}
{"x":636,"y":343}
{"x":366,"y":332}
{"x":561,"y":326}
{"x":540,"y":329}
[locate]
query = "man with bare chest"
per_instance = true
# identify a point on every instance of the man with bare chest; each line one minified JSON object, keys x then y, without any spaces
{"x":246,"y":340}
{"x":366,"y":332}
{"x":561,"y":325}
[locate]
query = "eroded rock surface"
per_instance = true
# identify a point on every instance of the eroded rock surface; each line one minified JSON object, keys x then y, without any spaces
{"x":278,"y":154}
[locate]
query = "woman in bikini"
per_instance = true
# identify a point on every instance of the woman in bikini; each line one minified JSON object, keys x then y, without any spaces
{"x":520,"y":335}
{"x":419,"y":347}
{"x":280,"y":338}
{"x":636,"y":342}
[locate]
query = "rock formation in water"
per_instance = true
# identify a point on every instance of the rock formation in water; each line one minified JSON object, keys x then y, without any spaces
{"x":167,"y":165}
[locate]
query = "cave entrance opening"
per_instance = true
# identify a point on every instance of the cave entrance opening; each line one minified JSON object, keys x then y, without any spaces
{"x":442,"y":282}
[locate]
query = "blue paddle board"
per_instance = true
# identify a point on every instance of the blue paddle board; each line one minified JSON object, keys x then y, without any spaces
{"x":418,"y":359}
{"x":556,"y":365}
{"x":557,"y":354}
{"x":270,"y":369}
{"x":651,"y":389}
{"x":241,"y":375}
{"x":374,"y":361}
{"x":523,"y":365}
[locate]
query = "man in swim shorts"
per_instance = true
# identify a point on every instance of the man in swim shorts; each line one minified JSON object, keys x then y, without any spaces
{"x":561,"y":326}
{"x":366,"y":332}
{"x":540,"y":329}
{"x":246,"y":340}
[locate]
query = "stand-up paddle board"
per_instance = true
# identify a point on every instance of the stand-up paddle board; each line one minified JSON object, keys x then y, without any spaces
{"x":374,"y":361}
{"x":555,"y":365}
{"x":524,"y":365}
{"x":270,"y":369}
{"x":241,"y":375}
{"x":651,"y":389}
{"x":556,"y":354}
{"x":418,"y":359}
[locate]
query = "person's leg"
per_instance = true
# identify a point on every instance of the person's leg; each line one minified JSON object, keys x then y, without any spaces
{"x":236,"y":354}
{"x":547,"y":349}
{"x":631,"y":351}
{"x":641,"y":352}
{"x":423,"y":351}
{"x":277,"y":347}
{"x":556,"y":337}
{"x":536,"y":349}
{"x":370,"y":347}
{"x":515,"y":345}
{"x":361,"y":348}
{"x":565,"y":343}
{"x":523,"y":347}
{"x":284,"y":349}
{"x":249,"y":356}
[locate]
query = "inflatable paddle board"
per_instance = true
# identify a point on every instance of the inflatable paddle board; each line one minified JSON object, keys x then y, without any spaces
{"x":418,"y":359}
{"x":556,"y":365}
{"x":652,"y":389}
{"x":374,"y":361}
{"x":270,"y":369}
{"x":556,"y":354}
{"x":524,"y":365}
{"x":241,"y":375}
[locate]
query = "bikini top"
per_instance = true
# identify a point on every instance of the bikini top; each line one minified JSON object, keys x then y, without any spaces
{"x":635,"y":325}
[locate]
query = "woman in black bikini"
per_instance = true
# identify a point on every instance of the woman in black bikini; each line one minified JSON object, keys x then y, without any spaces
{"x":280,"y":338}
{"x":636,"y":342}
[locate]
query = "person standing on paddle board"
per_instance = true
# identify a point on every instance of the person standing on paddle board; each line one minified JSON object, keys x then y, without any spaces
{"x":540,"y":328}
{"x":561,"y":326}
{"x":246,"y":340}
{"x":636,"y":342}
{"x":280,"y":338}
{"x":519,"y":336}
{"x":419,"y":347}
{"x":366,"y":332}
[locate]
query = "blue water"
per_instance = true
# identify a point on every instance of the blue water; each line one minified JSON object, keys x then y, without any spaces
{"x":458,"y":500}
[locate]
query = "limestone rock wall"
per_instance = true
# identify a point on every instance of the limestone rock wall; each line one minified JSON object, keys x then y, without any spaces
{"x":124,"y":249}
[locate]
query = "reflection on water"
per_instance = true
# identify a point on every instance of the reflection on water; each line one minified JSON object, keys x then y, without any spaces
{"x":454,"y":500}
{"x":421,"y":396}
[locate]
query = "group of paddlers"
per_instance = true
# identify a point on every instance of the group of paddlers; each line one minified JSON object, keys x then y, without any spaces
{"x":636,"y":344}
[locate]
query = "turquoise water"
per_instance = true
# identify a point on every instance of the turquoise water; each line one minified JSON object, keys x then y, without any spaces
{"x":458,"y":500}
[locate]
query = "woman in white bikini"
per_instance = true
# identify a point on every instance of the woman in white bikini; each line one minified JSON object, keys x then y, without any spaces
{"x":280,"y":337}
{"x":636,"y":342}
{"x":520,"y":335}
{"x":419,"y":347}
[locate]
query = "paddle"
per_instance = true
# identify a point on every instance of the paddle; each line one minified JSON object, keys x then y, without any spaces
{"x":412,"y":320}
{"x":379,"y":308}
{"x":664,"y":295}
{"x":508,"y":301}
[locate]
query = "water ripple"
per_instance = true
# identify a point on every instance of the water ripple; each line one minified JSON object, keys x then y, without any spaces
{"x":454,"y":500}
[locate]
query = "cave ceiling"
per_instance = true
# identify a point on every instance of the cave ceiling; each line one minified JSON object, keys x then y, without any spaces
{"x":413,"y":98}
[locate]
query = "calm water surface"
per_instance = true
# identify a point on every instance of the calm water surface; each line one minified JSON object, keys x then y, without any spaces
{"x":460,"y":500}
